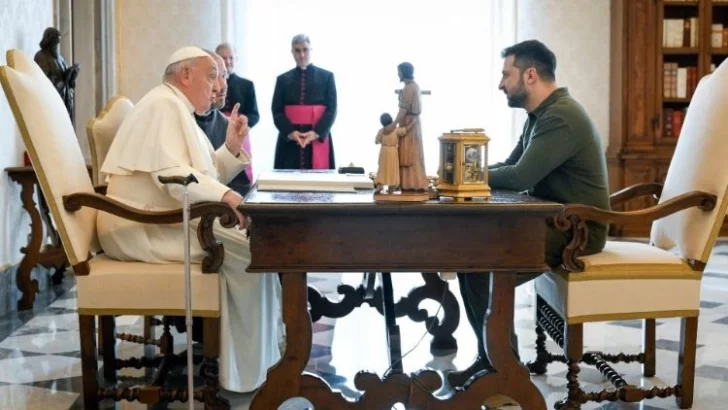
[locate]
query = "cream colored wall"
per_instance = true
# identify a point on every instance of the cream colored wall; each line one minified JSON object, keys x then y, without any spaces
{"x":21,"y":27}
{"x":149,"y":31}
{"x":578,"y":32}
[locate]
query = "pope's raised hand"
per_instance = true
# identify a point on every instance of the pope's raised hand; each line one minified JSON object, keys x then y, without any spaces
{"x":237,"y":131}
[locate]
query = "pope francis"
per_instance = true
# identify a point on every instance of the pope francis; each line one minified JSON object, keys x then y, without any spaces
{"x":161,"y":138}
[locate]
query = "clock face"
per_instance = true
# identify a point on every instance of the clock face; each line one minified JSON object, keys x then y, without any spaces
{"x":472,"y":165}
{"x":472,"y":154}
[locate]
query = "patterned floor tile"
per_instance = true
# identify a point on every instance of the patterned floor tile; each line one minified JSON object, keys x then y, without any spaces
{"x":712,"y":372}
{"x":671,"y":345}
{"x":70,"y":384}
{"x":46,"y":343}
{"x":721,"y":321}
{"x":29,"y":397}
{"x":636,"y":324}
{"x":75,"y":354}
{"x":22,"y":370}
{"x":704,"y":304}
{"x":52,"y":310}
{"x":31,"y":330}
{"x":15,"y":353}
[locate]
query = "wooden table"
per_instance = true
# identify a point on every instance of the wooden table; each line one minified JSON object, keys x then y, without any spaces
{"x":295,"y":233}
{"x":35,"y":252}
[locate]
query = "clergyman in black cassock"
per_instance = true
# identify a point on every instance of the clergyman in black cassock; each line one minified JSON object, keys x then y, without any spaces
{"x":304,"y":100}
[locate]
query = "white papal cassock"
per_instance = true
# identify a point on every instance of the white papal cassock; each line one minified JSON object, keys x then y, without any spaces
{"x":160,"y":137}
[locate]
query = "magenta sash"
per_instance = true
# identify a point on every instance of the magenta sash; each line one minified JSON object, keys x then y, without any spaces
{"x":310,"y":115}
{"x":246,"y":147}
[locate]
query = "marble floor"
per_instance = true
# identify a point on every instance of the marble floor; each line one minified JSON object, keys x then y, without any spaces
{"x":40,"y":365}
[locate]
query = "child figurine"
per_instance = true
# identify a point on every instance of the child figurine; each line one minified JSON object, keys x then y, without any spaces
{"x":388,"y":172}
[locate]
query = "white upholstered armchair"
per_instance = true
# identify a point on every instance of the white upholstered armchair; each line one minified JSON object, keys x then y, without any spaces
{"x":101,"y":131}
{"x":631,"y":280}
{"x":107,"y":287}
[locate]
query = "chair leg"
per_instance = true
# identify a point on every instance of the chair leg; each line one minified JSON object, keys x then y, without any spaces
{"x":540,"y":365}
{"x":648,"y":343}
{"x":211,"y":351}
{"x":686,"y":361}
{"x":108,"y":336}
{"x":100,"y":337}
{"x":574,"y":350}
{"x":149,"y":332}
{"x":89,"y":362}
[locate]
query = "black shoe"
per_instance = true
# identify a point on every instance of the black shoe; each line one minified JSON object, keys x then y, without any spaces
{"x":458,"y":378}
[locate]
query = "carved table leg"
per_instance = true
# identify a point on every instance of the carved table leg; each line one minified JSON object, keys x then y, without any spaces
{"x":49,"y":256}
{"x":58,"y":262}
{"x":415,"y":390}
{"x":443,"y":342}
{"x":27,"y":286}
{"x":393,"y":337}
{"x":510,"y":378}
{"x":284,"y":378}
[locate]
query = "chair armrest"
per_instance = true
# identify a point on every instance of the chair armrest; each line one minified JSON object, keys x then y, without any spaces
{"x":100,"y":189}
{"x":207,"y":212}
{"x":653,"y":189}
{"x":574,"y":218}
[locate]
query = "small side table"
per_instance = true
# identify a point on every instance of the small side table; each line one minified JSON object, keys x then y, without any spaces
{"x":36,"y":252}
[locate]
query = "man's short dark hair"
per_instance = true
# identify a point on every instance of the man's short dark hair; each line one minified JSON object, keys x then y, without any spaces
{"x":533,"y":53}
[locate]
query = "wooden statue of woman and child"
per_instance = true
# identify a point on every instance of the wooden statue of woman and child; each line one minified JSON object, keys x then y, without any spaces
{"x":402,"y":157}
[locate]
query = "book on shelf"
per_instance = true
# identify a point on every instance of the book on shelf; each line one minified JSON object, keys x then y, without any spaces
{"x":672,"y":120}
{"x":678,"y":82}
{"x":680,"y":32}
{"x":718,"y":36}
{"x":308,"y":181}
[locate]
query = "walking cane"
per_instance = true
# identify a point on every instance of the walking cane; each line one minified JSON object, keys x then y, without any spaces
{"x":184,"y":181}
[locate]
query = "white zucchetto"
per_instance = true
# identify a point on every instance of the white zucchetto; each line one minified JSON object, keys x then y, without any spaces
{"x":186,"y":53}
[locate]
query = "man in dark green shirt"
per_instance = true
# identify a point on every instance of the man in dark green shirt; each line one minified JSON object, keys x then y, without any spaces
{"x":559,"y":157}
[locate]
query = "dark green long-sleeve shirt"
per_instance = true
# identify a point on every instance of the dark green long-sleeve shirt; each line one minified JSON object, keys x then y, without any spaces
{"x":559,"y":157}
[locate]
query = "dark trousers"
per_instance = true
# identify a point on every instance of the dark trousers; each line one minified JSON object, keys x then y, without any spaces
{"x":475,"y":289}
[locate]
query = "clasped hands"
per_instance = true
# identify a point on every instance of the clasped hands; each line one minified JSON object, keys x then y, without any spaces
{"x":303,"y":138}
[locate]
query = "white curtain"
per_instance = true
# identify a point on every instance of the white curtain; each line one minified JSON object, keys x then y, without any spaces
{"x":454,"y":46}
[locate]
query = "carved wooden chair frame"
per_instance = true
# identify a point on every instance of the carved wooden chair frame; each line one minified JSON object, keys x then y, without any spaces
{"x":150,"y":322}
{"x":154,"y":393}
{"x":570,"y":336}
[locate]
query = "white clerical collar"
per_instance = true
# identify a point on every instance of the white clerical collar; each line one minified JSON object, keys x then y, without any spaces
{"x":182,"y":96}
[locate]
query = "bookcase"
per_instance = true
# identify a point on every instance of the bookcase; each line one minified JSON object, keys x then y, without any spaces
{"x":659,"y":49}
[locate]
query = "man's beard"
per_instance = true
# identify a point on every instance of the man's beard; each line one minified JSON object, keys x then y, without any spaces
{"x":517,"y":98}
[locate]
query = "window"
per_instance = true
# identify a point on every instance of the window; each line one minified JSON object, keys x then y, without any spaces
{"x":454,"y":46}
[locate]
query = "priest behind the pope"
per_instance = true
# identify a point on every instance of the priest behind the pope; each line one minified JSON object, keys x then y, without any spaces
{"x":161,"y":138}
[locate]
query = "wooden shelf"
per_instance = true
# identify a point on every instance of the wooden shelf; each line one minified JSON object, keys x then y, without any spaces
{"x":681,"y":3}
{"x":719,"y":51}
{"x":676,"y":100}
{"x":680,"y":51}
{"x":720,"y":3}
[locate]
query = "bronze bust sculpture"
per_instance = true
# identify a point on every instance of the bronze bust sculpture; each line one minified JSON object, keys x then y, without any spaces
{"x":55,"y":67}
